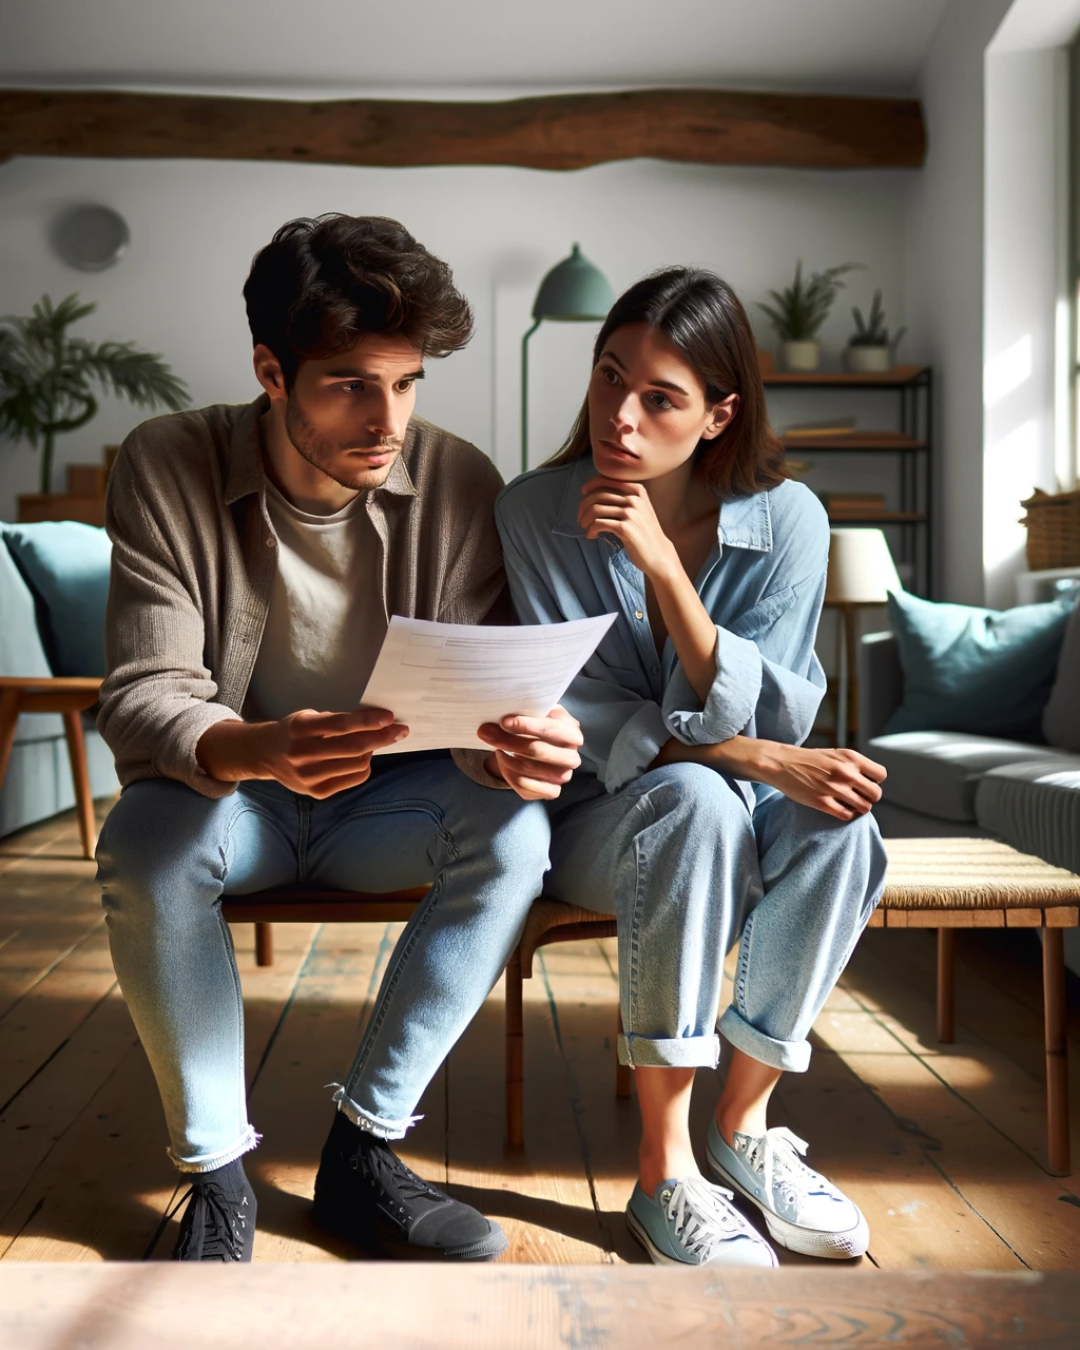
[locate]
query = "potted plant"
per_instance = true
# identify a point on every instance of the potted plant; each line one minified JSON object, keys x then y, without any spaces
{"x":869,"y":350}
{"x":46,"y":376}
{"x":799,"y":310}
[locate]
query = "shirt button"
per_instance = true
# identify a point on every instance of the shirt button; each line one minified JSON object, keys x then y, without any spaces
{"x":638,"y":614}
{"x":269,"y":541}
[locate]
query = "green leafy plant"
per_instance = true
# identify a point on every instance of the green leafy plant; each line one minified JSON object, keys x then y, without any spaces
{"x":799,"y":310}
{"x":871,"y":331}
{"x":47,"y":377}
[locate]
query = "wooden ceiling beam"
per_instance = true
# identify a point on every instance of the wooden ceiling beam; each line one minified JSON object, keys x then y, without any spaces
{"x":563,"y":131}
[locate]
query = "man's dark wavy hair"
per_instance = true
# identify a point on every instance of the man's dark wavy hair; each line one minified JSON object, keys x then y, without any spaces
{"x":321,"y":285}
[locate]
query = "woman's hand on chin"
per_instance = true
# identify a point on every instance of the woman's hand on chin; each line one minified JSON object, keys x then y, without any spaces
{"x":609,"y":506}
{"x":535,"y":756}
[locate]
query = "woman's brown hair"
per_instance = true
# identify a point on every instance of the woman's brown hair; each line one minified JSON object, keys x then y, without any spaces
{"x":703,"y":317}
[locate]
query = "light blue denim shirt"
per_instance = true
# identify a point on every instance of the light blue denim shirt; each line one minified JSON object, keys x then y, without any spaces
{"x":762,"y":585}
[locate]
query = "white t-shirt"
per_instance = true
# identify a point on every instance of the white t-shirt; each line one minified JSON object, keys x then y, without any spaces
{"x":327,"y":617}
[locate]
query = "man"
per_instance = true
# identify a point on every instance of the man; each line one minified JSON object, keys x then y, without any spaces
{"x":257,"y":554}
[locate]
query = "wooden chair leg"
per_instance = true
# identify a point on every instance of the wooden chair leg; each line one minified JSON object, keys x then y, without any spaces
{"x":1057,"y":1061}
{"x":9,"y":717}
{"x":515,"y":1054}
{"x":80,"y":772}
{"x":622,"y":1071}
{"x":264,"y":944}
{"x":946,"y":985}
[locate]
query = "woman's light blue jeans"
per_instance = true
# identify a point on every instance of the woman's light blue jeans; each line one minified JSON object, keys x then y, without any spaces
{"x":167,"y":855}
{"x":686,"y":868}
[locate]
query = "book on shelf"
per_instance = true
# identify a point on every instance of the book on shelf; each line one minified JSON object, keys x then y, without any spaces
{"x":831,"y":427}
{"x":853,"y":503}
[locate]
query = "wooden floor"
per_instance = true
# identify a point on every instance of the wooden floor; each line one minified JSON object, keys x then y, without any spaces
{"x":942,"y":1146}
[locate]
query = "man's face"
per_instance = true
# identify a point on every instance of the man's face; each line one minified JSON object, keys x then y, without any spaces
{"x":347,"y":414}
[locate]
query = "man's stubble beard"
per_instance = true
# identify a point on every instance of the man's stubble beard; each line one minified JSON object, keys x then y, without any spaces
{"x":320,"y":453}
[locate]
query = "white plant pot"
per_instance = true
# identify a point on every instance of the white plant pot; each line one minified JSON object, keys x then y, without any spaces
{"x":800,"y":356}
{"x":868,"y":360}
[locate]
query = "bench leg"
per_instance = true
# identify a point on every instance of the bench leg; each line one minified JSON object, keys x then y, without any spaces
{"x":80,"y":773}
{"x":515,"y":1057}
{"x":264,"y":944}
{"x":1057,"y":1062}
{"x":946,"y":985}
{"x":622,"y":1071}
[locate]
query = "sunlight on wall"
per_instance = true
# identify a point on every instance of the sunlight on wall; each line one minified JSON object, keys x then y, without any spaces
{"x":1007,"y":371}
{"x":1008,"y":479}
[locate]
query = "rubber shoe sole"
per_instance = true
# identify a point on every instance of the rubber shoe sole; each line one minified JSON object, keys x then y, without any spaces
{"x":806,"y":1241}
{"x":378,"y":1244}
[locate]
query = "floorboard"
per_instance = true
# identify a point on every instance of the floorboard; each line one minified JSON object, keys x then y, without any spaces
{"x":942,"y":1146}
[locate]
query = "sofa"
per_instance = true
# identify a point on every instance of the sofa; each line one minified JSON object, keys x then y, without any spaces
{"x":53,"y":581}
{"x":949,"y":782}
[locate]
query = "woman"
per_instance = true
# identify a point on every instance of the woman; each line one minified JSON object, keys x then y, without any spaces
{"x":696,"y":817}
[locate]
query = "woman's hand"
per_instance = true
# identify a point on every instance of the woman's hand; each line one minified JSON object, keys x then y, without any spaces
{"x":625,"y":510}
{"x":842,"y":783}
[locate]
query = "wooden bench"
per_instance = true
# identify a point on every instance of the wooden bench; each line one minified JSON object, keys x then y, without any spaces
{"x":931,"y":883}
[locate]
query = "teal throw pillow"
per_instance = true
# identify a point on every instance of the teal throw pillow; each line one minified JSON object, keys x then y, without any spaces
{"x":66,"y":565}
{"x":984,"y":671}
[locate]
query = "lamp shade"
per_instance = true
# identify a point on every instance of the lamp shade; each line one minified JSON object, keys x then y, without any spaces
{"x":574,"y":290}
{"x":861,"y":568}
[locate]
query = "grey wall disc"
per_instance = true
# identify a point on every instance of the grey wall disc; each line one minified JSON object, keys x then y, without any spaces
{"x":91,"y":238}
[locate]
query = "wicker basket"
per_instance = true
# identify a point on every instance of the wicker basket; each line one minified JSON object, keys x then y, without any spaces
{"x":1053,"y":526}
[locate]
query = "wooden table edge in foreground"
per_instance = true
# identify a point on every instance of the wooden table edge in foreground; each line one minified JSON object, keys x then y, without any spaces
{"x":116,"y":1306}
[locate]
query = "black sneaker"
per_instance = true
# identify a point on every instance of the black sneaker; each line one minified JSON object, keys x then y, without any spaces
{"x":219,"y":1222}
{"x":366,"y":1194}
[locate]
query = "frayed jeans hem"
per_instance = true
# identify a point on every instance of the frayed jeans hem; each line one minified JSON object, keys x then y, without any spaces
{"x":248,"y":1140}
{"x":790,"y":1056}
{"x":365,"y":1120}
{"x":681,"y":1052}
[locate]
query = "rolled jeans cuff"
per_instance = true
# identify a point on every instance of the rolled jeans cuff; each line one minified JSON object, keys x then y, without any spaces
{"x":365,"y":1120}
{"x":683,"y":1052}
{"x":247,"y":1141}
{"x":791,"y":1056}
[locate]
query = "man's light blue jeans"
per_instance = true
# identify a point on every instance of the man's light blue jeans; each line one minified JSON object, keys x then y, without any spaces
{"x":678,"y":857}
{"x":167,"y":855}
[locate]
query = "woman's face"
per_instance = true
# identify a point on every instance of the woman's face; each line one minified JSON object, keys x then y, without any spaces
{"x":647,"y":409}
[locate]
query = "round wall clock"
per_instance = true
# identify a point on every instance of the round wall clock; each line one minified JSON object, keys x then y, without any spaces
{"x":91,"y":238}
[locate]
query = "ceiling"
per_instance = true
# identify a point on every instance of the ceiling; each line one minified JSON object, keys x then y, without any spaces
{"x":443,"y":47}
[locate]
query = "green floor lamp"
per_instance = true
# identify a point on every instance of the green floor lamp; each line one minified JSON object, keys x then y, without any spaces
{"x":574,"y":291}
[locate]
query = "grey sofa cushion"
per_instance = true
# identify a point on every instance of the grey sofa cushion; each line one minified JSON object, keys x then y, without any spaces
{"x":937,"y":772}
{"x":1061,"y":716}
{"x":1035,"y":806}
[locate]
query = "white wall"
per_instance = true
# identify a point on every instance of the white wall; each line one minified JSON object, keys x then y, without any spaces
{"x":944,"y":282}
{"x":195,"y":226}
{"x":1025,"y":297}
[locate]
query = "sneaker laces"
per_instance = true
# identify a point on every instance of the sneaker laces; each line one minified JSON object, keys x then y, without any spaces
{"x":778,"y":1156}
{"x":702,"y":1217}
{"x":209,"y":1231}
{"x":393,"y":1180}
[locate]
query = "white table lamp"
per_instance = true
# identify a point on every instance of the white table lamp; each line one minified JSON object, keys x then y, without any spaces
{"x":861,"y":572}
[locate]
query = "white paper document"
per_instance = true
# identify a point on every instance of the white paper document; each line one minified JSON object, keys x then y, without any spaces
{"x":443,"y":680}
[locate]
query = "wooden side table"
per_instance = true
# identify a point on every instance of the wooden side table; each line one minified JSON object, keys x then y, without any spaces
{"x":69,"y":696}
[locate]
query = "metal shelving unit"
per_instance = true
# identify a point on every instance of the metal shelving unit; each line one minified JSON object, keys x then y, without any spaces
{"x":909,"y":443}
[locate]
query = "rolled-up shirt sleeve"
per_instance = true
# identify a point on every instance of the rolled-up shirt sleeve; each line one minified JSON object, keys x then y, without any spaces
{"x":769,"y":682}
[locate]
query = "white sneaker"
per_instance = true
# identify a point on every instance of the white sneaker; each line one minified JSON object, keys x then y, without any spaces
{"x":803,"y":1211}
{"x":693,"y":1223}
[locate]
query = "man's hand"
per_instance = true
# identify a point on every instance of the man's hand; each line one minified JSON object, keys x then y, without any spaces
{"x":534,"y":755}
{"x":314,"y":753}
{"x":842,"y":783}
